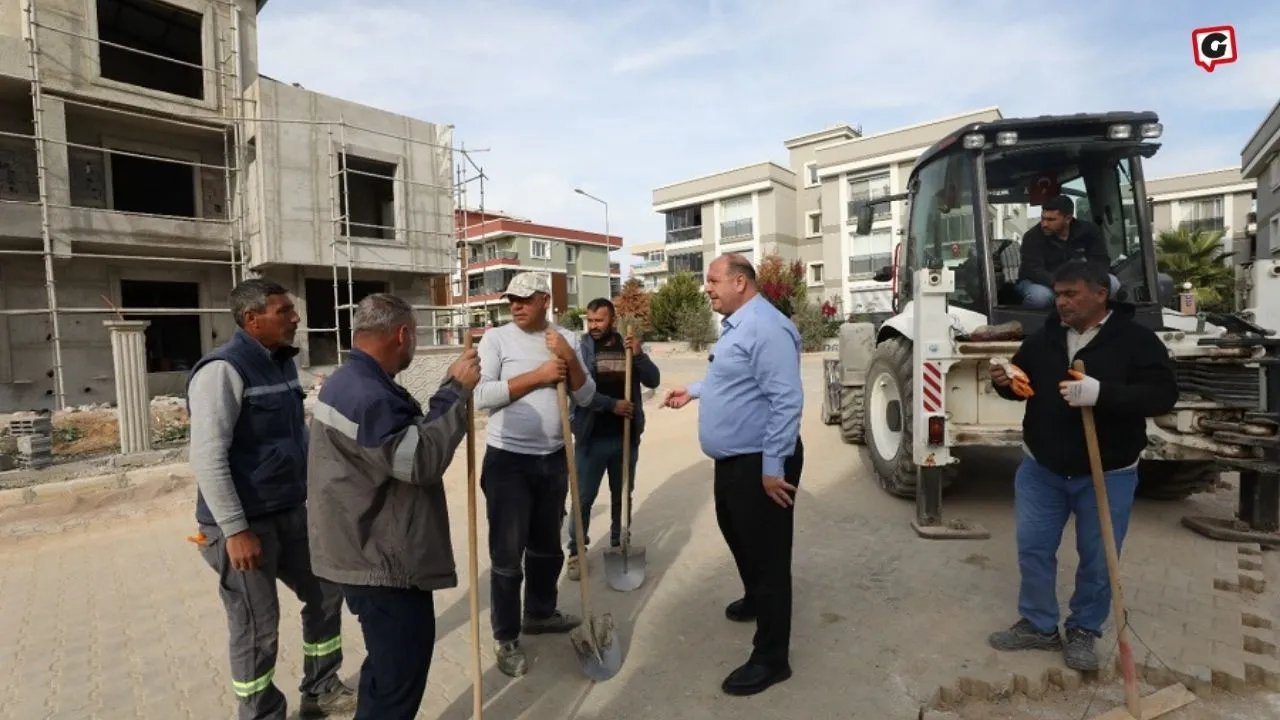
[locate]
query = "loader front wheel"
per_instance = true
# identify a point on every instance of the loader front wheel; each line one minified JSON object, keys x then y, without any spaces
{"x":887,"y":416}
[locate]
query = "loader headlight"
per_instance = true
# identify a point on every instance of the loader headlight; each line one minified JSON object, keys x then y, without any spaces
{"x":1151,"y":131}
{"x":1120,"y":132}
{"x":974,"y":141}
{"x":1006,"y":138}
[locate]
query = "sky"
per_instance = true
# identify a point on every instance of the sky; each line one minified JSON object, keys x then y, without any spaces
{"x":618,"y":97}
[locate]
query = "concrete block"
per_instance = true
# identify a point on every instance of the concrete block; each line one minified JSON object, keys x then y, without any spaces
{"x":1252,"y":580}
{"x":1262,"y":671}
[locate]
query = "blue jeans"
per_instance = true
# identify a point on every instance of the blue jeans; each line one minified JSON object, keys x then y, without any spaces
{"x":1043,"y":502}
{"x":595,"y":457}
{"x":1035,"y":295}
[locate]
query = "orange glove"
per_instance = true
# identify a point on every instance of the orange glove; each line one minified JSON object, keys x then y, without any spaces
{"x":1018,"y":380}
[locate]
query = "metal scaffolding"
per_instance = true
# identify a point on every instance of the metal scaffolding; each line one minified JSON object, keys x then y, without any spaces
{"x":239,"y":124}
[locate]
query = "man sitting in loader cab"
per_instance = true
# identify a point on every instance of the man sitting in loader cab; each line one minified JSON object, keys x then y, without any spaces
{"x":1058,"y":238}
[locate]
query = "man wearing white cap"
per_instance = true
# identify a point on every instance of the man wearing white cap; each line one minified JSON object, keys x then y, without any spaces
{"x":525,"y":476}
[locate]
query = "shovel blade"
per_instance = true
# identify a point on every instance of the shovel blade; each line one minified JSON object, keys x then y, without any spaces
{"x":597,"y":648}
{"x":624,"y":567}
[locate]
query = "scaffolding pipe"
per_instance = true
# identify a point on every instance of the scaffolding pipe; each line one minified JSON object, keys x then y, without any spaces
{"x":108,"y":43}
{"x":333,"y":245}
{"x":346,"y":214}
{"x":124,"y":153}
{"x":42,"y":181}
{"x":237,"y":130}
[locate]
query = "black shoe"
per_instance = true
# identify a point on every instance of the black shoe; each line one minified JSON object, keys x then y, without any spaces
{"x":1024,"y":636}
{"x":753,"y":678}
{"x":740,"y":611}
{"x":558,"y":623}
{"x":1079,"y":653}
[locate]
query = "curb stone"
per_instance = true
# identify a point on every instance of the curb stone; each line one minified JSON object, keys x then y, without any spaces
{"x":82,"y":494}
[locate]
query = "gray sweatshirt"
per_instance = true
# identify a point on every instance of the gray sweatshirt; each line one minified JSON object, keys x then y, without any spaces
{"x":530,"y":425}
{"x":215,"y":394}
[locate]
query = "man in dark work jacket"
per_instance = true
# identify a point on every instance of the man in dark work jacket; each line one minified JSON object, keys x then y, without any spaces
{"x":1128,"y":378}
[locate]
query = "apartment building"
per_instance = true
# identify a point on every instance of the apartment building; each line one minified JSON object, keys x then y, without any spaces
{"x":652,"y":270}
{"x":146,"y":166}
{"x":1209,"y":200}
{"x":500,"y":246}
{"x":1260,"y":163}
{"x":801,"y":212}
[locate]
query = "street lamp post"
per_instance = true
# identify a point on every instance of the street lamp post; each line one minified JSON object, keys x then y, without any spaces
{"x":586,"y":194}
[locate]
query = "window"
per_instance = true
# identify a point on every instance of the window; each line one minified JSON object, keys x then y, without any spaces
{"x":173,"y":342}
{"x":1274,"y":232}
{"x":690,"y":262}
{"x":815,"y":273}
{"x":1202,"y":215}
{"x":811,"y":174}
{"x":367,"y":197}
{"x":942,"y":228}
{"x":570,"y":254}
{"x":735,"y":219}
{"x":1274,"y":172}
{"x":539,"y":249}
{"x":323,"y":315}
{"x":814,"y":226}
{"x":655,"y":256}
{"x":869,"y":253}
{"x":571,"y":284}
{"x":684,"y":224}
{"x":152,"y":185}
{"x":869,"y":188}
{"x":153,"y":45}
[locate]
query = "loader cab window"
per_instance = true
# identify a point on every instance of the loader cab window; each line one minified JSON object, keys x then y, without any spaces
{"x":942,"y":231}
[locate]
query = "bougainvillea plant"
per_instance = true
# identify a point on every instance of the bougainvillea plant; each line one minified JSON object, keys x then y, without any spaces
{"x":782,"y":283}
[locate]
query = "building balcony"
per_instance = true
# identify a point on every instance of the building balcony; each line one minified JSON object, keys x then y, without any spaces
{"x":650,"y":267}
{"x":615,"y":268}
{"x":1209,"y":224}
{"x":505,"y":257}
{"x":743,"y":229}
{"x":685,"y":234}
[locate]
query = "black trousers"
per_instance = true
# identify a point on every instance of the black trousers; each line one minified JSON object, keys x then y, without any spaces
{"x":759,"y":532}
{"x":524,"y":500}
{"x":399,"y":629}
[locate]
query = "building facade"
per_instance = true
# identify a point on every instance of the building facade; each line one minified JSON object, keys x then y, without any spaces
{"x":801,"y":212}
{"x":651,"y":271}
{"x":146,"y":166}
{"x":1260,"y":162}
{"x":1212,"y":200}
{"x":500,"y":246}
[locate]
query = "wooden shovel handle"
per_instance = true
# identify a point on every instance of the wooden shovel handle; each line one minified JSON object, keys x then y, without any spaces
{"x":626,"y":446}
{"x":567,"y":428}
{"x":1132,"y":700}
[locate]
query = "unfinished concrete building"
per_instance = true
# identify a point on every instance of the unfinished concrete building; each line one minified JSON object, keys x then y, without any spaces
{"x":146,"y":166}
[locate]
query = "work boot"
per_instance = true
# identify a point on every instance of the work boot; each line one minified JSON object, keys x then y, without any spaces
{"x":1079,"y":653}
{"x":1024,"y":636}
{"x":571,"y":568}
{"x":338,"y":699}
{"x":511,"y":658}
{"x":740,"y":610}
{"x":558,"y":623}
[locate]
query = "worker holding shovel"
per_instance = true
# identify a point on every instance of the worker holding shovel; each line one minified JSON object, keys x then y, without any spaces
{"x":1128,"y":377}
{"x":525,"y":472}
{"x":598,"y":431}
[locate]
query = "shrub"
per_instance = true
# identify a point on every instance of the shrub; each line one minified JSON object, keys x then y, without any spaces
{"x":693,"y":325}
{"x":632,"y":305}
{"x":681,"y":291}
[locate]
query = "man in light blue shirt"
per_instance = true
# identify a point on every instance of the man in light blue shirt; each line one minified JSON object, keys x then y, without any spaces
{"x":751,"y":400}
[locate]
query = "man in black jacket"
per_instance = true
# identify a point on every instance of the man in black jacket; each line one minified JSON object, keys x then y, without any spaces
{"x":1128,"y":378}
{"x":1058,"y":238}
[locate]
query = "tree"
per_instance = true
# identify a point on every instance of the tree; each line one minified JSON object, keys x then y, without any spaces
{"x":1197,"y":257}
{"x":632,"y":305}
{"x":682,"y":290}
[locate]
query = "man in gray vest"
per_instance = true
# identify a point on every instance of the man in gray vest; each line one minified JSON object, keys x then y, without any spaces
{"x":249,"y":455}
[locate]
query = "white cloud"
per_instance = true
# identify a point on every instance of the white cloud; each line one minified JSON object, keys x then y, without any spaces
{"x":619,"y":98}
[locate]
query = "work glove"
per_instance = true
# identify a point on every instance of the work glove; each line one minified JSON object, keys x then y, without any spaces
{"x":1018,"y":380}
{"x":1080,"y":391}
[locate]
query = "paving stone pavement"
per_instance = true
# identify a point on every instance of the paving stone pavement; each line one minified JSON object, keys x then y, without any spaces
{"x":118,"y":617}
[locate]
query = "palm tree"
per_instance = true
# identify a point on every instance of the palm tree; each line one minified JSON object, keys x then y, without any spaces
{"x":1197,"y":257}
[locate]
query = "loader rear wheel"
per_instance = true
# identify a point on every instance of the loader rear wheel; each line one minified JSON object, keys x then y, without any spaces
{"x":853,"y":419}
{"x":1174,"y":479}
{"x":888,"y":415}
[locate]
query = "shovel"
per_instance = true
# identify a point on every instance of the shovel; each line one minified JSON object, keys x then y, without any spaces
{"x":624,"y":565}
{"x":593,"y":640}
